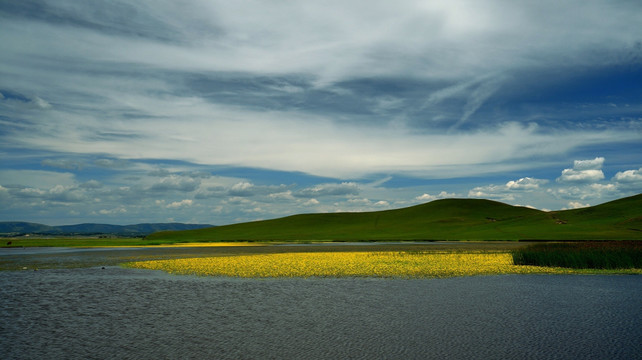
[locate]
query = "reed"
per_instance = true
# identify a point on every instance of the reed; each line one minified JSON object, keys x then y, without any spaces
{"x":582,"y":255}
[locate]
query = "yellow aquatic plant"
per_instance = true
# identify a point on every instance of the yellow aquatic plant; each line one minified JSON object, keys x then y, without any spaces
{"x":349,"y":264}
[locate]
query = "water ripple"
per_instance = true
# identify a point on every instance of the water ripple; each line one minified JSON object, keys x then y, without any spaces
{"x":116,"y":313}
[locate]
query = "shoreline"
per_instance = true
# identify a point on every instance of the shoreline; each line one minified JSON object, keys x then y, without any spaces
{"x":38,"y":258}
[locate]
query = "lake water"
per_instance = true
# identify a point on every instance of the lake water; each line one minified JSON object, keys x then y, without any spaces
{"x":116,"y":313}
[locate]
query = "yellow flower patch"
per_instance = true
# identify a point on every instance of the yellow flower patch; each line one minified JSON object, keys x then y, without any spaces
{"x":349,"y":264}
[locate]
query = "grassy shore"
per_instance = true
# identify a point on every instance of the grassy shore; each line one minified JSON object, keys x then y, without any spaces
{"x":255,"y":259}
{"x":142,"y":242}
{"x":70,"y":242}
{"x":86,"y":242}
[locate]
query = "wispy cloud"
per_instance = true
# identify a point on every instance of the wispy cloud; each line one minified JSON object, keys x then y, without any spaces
{"x":124,"y":103}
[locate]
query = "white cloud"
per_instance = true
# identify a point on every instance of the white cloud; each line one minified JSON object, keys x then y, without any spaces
{"x":311,"y":202}
{"x":526,"y":183}
{"x":577,"y":205}
{"x":586,"y":191}
{"x":499,"y":192}
{"x":91,"y":184}
{"x":368,"y":203}
{"x":111,"y":163}
{"x":31,"y":192}
{"x":36,"y":178}
{"x":66,"y":194}
{"x":603,"y":188}
{"x":57,"y":193}
{"x":441,"y":195}
{"x":570,"y":192}
{"x":63,"y":164}
{"x":425,"y":197}
{"x":256,"y":209}
{"x":180,"y":204}
{"x":570,"y":175}
{"x":289,"y":141}
{"x":159,"y":173}
{"x":530,"y":207}
{"x":359,"y":201}
{"x":344,"y":188}
{"x":629,"y":178}
{"x":247,"y":189}
{"x":177,"y":183}
{"x":477,"y":98}
{"x":40,"y":103}
{"x":114,"y":211}
{"x":209,"y":192}
{"x":336,"y":40}
{"x":509,"y":191}
{"x":284,"y":195}
{"x":595,"y":164}
{"x":242,"y":189}
{"x":468,"y":49}
{"x":584,"y":171}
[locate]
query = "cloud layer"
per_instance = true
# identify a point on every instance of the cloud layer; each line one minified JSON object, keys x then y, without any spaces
{"x":230,"y":106}
{"x":182,"y":193}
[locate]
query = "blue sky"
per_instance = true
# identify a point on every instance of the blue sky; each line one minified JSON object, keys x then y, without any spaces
{"x":220,"y":112}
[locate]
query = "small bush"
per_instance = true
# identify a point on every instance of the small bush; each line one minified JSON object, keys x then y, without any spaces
{"x":582,"y":255}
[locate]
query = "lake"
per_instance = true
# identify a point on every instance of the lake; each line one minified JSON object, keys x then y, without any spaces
{"x":116,"y":313}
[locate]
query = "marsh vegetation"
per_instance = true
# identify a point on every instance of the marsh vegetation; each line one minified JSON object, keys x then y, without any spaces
{"x":399,"y":264}
{"x":582,"y":255}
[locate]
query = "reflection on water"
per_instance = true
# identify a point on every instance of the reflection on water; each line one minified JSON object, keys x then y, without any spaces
{"x":126,"y":313}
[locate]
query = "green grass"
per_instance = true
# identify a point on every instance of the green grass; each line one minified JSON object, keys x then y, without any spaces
{"x":448,"y":219}
{"x":582,"y":255}
{"x":78,"y":242}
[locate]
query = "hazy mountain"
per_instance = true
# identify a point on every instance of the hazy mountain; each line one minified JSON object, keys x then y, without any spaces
{"x":12,"y":228}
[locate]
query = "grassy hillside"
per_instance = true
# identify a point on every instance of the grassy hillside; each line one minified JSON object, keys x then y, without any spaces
{"x":447,"y":219}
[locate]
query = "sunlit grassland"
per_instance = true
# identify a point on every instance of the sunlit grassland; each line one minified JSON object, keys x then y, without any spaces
{"x":75,"y":242}
{"x":355,"y":264}
{"x":110,"y":242}
{"x":439,"y":220}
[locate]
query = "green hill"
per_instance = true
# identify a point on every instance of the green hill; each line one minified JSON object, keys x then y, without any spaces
{"x":447,"y":219}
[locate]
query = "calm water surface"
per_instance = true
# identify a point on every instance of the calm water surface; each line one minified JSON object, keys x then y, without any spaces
{"x":115,"y":313}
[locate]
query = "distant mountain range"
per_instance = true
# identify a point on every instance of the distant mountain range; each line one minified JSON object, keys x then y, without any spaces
{"x":18,"y":228}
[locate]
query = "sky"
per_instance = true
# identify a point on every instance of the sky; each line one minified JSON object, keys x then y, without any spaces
{"x":220,"y":112}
